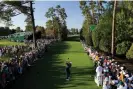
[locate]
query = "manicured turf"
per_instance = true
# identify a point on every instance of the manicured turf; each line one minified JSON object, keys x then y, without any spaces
{"x":49,"y":71}
{"x":9,"y":43}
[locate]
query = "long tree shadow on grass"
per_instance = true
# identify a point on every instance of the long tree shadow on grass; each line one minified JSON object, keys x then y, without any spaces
{"x":48,"y":73}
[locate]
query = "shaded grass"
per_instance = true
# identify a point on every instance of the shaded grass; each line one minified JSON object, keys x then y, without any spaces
{"x":49,"y":71}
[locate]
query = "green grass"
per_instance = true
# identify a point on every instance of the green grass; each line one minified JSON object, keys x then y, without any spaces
{"x":4,"y":58}
{"x":9,"y":43}
{"x":49,"y":71}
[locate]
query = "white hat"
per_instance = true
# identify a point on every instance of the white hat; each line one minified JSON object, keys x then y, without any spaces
{"x":122,"y":68}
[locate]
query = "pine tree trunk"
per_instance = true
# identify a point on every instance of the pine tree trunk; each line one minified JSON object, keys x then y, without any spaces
{"x":113,"y":30}
{"x":33,"y":24}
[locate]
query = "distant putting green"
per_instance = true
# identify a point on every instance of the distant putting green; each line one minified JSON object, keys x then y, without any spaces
{"x":49,"y":71}
{"x":9,"y":43}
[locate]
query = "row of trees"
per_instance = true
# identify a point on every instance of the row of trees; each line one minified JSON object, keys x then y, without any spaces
{"x":57,"y":22}
{"x":55,"y":26}
{"x":100,"y":13}
{"x":57,"y":18}
{"x":73,"y":31}
{"x":5,"y":31}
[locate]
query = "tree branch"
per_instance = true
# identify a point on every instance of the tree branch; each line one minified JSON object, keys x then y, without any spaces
{"x":17,"y":14}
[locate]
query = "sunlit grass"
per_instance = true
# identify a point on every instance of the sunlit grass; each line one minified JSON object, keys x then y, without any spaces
{"x":9,"y":43}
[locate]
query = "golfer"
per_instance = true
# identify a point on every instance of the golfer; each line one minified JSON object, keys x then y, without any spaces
{"x":68,"y":71}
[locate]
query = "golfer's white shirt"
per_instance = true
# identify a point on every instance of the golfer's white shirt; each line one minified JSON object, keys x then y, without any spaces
{"x":99,"y":70}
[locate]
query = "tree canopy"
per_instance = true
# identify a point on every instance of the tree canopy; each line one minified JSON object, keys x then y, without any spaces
{"x":100,"y":13}
{"x":57,"y":21}
{"x":10,"y":9}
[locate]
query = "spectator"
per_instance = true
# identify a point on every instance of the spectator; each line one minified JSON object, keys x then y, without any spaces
{"x":99,"y":71}
{"x":21,"y":58}
{"x":115,"y":76}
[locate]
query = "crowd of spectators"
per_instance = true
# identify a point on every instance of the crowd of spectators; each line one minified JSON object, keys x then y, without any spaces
{"x":108,"y":73}
{"x":22,"y":57}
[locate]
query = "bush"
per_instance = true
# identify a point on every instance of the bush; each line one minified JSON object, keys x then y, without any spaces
{"x":104,"y":45}
{"x":88,"y":40}
{"x":129,"y":54}
{"x":95,"y":38}
{"x":123,"y":47}
{"x":102,"y":34}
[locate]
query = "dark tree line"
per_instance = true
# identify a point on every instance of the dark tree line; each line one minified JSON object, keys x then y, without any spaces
{"x":5,"y":31}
